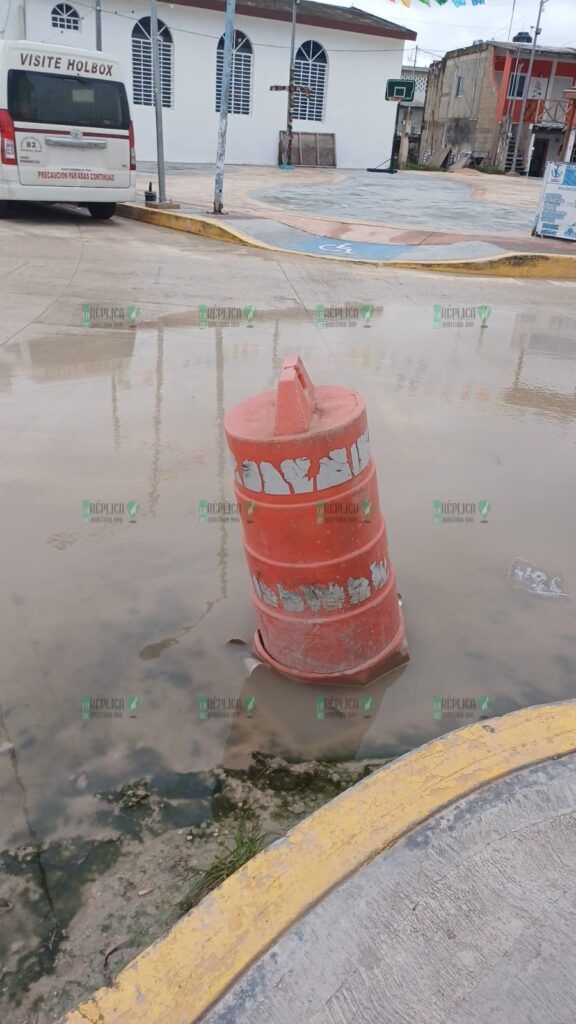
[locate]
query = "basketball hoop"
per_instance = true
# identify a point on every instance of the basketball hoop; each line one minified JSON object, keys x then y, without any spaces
{"x":400,"y":89}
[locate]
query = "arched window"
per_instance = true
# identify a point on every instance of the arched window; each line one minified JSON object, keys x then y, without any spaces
{"x":142,"y":84}
{"x":65,"y":16}
{"x":310,"y":70}
{"x":241,"y":91}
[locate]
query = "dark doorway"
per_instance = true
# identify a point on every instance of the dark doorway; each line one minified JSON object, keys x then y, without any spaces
{"x":538,"y":161}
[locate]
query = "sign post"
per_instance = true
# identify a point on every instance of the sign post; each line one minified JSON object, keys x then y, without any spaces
{"x":157,"y":101}
{"x":286,"y":159}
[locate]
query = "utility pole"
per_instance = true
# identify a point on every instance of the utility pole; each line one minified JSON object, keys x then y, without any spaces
{"x":291,"y":89}
{"x":568,"y":144}
{"x":224,"y":105}
{"x":157,"y":101}
{"x":98,"y":18}
{"x":511,"y":20}
{"x":527,"y":87}
{"x":287,"y":163}
{"x":415,"y":56}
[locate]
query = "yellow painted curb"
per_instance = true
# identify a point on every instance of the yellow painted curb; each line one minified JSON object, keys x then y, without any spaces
{"x":510,"y":264}
{"x":194,"y":224}
{"x":177,"y":978}
{"x":551,"y":266}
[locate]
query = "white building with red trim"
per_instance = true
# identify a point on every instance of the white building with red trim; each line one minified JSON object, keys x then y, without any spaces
{"x":344,"y":55}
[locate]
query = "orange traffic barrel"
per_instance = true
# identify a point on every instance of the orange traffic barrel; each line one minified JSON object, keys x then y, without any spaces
{"x":315,"y":540}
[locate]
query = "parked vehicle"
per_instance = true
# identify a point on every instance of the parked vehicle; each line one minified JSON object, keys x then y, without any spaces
{"x":66,"y":134}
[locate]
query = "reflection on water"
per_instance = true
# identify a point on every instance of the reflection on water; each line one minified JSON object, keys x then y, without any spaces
{"x":149,"y":609}
{"x":542,"y":380}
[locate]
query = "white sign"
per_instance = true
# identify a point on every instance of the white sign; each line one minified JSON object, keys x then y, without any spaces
{"x":537,"y":90}
{"x":557,"y":211}
{"x":59,"y":62}
{"x":74,"y":176}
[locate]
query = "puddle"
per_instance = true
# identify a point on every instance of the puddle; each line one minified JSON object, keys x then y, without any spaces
{"x":97,"y":810}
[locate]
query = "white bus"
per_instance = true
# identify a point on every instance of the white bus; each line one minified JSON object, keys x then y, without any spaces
{"x":66,"y":134}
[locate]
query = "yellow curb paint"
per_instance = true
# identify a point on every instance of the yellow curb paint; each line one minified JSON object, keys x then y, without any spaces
{"x":194,"y":225}
{"x":177,"y":978}
{"x":510,"y":264}
{"x":543,"y":266}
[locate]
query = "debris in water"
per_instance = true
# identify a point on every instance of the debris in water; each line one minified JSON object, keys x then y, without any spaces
{"x":251,"y":664}
{"x":144,"y":892}
{"x":6,"y":748}
{"x":236,"y":640}
{"x":108,"y":980}
{"x":536,"y":581}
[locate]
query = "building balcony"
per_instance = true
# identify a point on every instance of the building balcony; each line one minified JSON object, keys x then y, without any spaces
{"x":551,"y":113}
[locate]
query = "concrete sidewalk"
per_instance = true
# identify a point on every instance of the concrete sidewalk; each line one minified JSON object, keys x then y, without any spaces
{"x":464,"y":222}
{"x":439,"y":889}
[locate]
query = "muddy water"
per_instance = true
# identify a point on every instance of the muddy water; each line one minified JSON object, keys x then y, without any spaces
{"x":148,"y":608}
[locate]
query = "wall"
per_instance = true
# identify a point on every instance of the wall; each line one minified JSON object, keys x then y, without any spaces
{"x":356,"y":110}
{"x":420,"y":76}
{"x":12,"y":19}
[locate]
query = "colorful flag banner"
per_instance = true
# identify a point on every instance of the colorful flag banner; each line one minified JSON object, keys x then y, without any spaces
{"x":457,"y":3}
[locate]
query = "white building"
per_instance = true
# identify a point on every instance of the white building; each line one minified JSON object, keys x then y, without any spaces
{"x":420,"y":76}
{"x":344,"y":55}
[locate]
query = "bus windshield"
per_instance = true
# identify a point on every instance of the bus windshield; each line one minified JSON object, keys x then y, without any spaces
{"x":42,"y":98}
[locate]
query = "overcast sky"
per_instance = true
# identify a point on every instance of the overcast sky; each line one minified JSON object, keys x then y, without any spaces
{"x":446,"y":27}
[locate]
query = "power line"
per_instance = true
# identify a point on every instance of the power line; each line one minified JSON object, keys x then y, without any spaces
{"x":206,"y":35}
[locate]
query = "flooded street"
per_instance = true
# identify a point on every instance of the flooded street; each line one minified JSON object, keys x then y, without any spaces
{"x":127,"y":407}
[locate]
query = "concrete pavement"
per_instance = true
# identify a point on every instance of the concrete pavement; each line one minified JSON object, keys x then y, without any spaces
{"x":441,"y":888}
{"x":464,"y":222}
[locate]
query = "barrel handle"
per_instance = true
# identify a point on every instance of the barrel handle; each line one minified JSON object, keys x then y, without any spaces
{"x":295,"y":398}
